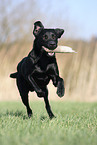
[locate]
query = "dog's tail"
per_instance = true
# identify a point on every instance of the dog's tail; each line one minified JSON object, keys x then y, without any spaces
{"x":14,"y":75}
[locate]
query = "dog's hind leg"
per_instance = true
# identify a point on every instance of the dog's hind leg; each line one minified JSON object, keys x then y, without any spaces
{"x":47,"y":105}
{"x":24,"y":98}
{"x":23,"y":90}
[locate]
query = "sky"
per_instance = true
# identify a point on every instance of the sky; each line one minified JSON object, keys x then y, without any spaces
{"x":80,"y":14}
{"x":77,"y":17}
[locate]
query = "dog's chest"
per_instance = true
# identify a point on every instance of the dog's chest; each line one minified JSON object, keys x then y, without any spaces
{"x":43,"y":63}
{"x":41,"y":68}
{"x":41,"y":72}
{"x":40,"y":75}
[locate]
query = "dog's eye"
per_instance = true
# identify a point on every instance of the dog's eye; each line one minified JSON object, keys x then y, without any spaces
{"x":53,"y":36}
{"x":45,"y":37}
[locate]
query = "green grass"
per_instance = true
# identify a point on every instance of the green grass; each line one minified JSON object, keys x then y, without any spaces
{"x":75,"y":124}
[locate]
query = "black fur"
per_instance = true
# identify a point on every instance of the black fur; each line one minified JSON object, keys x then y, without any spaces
{"x":36,"y":70}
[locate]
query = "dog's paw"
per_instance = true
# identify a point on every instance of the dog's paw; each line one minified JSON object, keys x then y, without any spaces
{"x":29,"y":112}
{"x":52,"y":116}
{"x":30,"y":115}
{"x":60,"y":88}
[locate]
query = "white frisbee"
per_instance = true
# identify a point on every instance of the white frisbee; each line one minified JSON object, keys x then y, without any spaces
{"x":61,"y":49}
{"x":64,"y":49}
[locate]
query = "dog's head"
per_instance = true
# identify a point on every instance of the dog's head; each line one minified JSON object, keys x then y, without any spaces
{"x":47,"y":38}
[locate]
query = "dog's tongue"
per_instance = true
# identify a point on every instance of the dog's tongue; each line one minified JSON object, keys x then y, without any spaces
{"x":51,"y":53}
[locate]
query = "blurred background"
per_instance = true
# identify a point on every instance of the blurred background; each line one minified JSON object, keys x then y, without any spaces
{"x":77,"y":18}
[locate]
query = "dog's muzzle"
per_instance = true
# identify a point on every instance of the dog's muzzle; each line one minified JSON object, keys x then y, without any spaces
{"x":50,"y":52}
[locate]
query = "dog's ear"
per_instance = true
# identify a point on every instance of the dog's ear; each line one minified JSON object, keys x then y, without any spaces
{"x":37,"y":28}
{"x":59,"y":32}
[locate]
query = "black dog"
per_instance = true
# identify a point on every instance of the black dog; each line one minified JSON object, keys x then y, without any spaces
{"x":36,"y":70}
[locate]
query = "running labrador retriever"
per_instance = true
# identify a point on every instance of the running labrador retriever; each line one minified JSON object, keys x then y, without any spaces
{"x":36,"y":70}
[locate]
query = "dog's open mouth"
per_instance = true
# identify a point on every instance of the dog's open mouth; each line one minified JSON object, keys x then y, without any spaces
{"x":50,"y":52}
{"x":59,"y":49}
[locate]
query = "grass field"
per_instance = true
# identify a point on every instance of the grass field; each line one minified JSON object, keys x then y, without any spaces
{"x":75,"y":124}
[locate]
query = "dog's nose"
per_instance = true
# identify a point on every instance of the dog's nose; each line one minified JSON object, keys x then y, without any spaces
{"x":52,"y":44}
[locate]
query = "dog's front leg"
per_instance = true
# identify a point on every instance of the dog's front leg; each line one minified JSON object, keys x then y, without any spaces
{"x":48,"y":108}
{"x":59,"y":83}
{"x":37,"y":89}
{"x":56,"y":79}
{"x":60,"y":87}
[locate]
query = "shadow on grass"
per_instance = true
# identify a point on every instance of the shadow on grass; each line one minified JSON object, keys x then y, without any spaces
{"x":20,"y":114}
{"x":43,"y":118}
{"x":14,"y":114}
